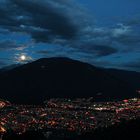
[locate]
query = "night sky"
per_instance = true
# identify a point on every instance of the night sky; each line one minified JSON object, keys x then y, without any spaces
{"x":104,"y":33}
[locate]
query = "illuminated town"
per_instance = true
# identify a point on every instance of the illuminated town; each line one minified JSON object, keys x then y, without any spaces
{"x":69,"y":115}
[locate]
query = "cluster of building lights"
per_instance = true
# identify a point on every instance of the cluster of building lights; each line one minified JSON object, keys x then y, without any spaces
{"x":77,"y":115}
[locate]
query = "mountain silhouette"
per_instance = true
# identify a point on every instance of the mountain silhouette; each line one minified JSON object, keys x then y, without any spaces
{"x":131,"y":77}
{"x":34,"y":82}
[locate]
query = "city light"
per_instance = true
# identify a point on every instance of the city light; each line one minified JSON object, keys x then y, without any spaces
{"x":72,"y":115}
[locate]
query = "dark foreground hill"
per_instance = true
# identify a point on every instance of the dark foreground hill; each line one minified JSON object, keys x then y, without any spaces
{"x":124,"y":131}
{"x":61,"y":77}
{"x":130,"y":77}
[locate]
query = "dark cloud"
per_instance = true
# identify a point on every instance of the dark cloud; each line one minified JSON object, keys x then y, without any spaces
{"x":2,"y":63}
{"x":99,"y":50}
{"x":45,"y":20}
{"x":44,"y":52}
{"x":105,"y":50}
{"x":57,"y":51}
{"x":135,"y":21}
{"x":8,"y":45}
{"x":126,"y":37}
{"x":63,"y":22}
{"x":53,"y":21}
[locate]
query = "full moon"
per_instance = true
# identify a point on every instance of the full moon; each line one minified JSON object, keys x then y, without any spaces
{"x":23,"y":57}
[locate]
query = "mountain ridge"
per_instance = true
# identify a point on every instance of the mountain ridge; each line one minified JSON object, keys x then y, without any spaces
{"x":64,"y":78}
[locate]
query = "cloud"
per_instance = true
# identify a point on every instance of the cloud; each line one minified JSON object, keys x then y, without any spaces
{"x":97,"y":50}
{"x":66,"y":24}
{"x":126,"y":35}
{"x":2,"y":63}
{"x":8,"y":45}
{"x":44,"y":20}
{"x":18,"y":58}
{"x":135,"y":21}
{"x":55,"y":22}
{"x":122,"y":30}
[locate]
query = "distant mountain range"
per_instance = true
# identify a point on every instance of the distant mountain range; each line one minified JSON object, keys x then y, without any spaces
{"x":45,"y":78}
